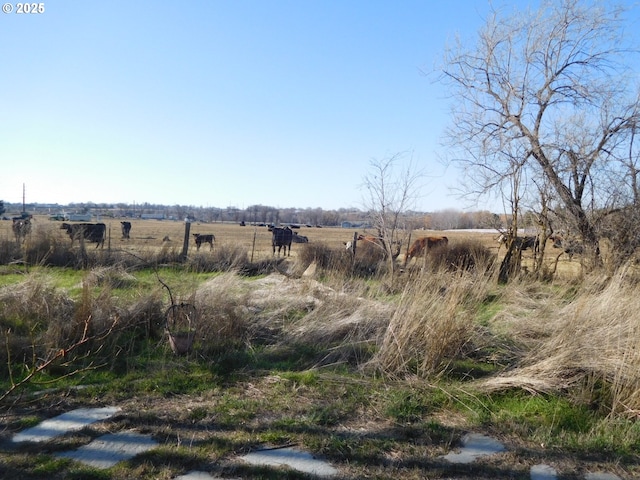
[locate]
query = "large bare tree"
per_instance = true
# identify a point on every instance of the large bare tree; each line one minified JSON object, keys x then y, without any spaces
{"x":552,"y":86}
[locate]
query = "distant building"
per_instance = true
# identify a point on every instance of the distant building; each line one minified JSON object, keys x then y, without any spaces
{"x":78,"y":217}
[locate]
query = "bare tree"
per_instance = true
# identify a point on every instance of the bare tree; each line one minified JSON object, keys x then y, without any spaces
{"x":392,"y":189}
{"x":550,"y":85}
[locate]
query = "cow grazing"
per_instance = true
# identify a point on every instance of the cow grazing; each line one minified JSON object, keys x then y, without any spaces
{"x":299,"y":238}
{"x":21,"y":228}
{"x":126,"y":229}
{"x":424,"y":244}
{"x":93,"y":232}
{"x":281,"y":237}
{"x":200,"y":239}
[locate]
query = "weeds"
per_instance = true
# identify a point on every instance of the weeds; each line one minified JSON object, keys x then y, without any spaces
{"x":354,"y":365}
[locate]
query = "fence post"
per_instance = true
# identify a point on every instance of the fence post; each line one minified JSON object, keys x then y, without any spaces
{"x":253,"y":245}
{"x":185,"y":244}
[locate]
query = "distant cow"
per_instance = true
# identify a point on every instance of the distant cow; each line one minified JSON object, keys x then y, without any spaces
{"x":200,"y":239}
{"x":299,"y":238}
{"x":126,"y":229}
{"x":370,"y":239}
{"x":570,"y":247}
{"x":281,"y":237}
{"x":522,"y":243}
{"x":21,"y":228}
{"x":93,"y":232}
{"x":421,"y":245}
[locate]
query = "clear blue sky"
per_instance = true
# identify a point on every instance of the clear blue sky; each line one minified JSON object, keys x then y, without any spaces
{"x":223,"y":103}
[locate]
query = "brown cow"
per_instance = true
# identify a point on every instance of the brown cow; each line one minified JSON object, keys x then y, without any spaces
{"x":421,"y":245}
{"x":370,"y":239}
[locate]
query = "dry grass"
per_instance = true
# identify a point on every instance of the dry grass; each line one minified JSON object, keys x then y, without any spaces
{"x":432,"y":325}
{"x":589,"y":345}
{"x":579,"y":335}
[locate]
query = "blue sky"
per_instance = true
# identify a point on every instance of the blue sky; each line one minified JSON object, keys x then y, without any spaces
{"x":224,"y":103}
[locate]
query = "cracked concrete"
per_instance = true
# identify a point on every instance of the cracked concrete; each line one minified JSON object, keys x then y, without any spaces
{"x":107,"y":450}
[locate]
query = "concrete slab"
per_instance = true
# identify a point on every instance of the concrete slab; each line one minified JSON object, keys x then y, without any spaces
{"x":475,"y":445}
{"x":601,"y":476}
{"x":67,"y":422}
{"x":106,"y":451}
{"x":543,"y":472}
{"x":196,"y":475}
{"x":296,"y":459}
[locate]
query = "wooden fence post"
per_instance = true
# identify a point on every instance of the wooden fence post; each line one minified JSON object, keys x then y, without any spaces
{"x":185,"y":244}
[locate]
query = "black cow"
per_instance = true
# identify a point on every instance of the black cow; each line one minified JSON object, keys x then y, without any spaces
{"x":300,"y":238}
{"x":571,"y":247}
{"x":281,"y":237}
{"x":21,"y":228}
{"x":523,"y":243}
{"x":200,"y":239}
{"x":93,"y":232}
{"x":126,"y":229}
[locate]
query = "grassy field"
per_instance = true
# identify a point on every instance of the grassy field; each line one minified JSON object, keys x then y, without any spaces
{"x":155,"y":235}
{"x":379,"y":375}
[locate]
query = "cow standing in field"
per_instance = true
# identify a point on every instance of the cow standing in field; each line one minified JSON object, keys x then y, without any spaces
{"x":126,"y":229}
{"x":200,"y":239}
{"x":522,"y":243}
{"x":281,"y":237}
{"x":421,"y":245}
{"x":21,"y":228}
{"x":570,"y":247}
{"x":93,"y":232}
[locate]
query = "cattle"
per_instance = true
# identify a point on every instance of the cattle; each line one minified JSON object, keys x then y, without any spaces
{"x":21,"y":228}
{"x":93,"y":232}
{"x":281,"y":237}
{"x":528,"y":242}
{"x":200,"y":239}
{"x":126,"y":229}
{"x":421,"y":245}
{"x":371,"y":240}
{"x":570,"y":247}
{"x":522,"y":243}
{"x":299,"y":238}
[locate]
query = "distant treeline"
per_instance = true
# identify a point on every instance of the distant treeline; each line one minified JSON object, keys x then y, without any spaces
{"x":257,"y":214}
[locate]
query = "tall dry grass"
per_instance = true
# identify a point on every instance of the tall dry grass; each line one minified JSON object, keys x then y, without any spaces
{"x":587,"y":344}
{"x":434,"y":323}
{"x":38,"y":321}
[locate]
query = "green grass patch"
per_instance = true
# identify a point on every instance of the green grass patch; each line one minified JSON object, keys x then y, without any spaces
{"x":546,"y":417}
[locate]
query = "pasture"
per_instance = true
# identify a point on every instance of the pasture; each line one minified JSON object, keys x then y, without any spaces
{"x":148,"y":236}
